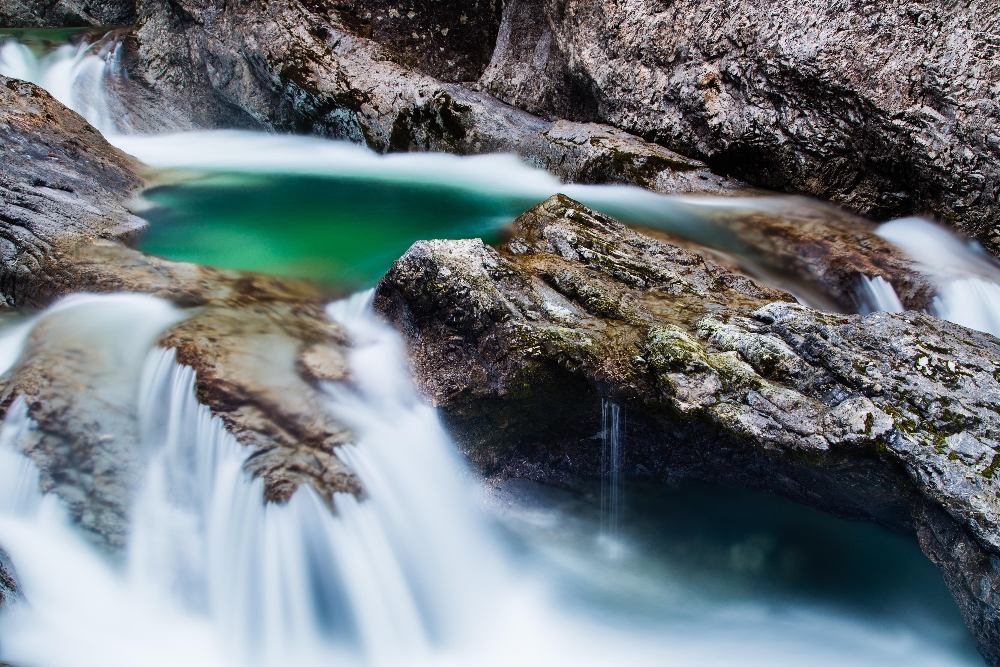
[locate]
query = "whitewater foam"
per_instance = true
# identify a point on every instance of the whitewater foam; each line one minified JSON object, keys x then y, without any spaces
{"x":967,"y":279}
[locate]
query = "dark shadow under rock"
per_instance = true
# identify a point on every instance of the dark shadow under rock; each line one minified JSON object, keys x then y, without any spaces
{"x":871,"y":417}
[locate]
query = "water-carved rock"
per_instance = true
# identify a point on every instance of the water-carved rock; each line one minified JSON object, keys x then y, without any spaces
{"x":886,"y":110}
{"x":891,"y":417}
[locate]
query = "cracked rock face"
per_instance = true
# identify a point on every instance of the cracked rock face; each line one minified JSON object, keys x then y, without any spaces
{"x":65,"y":13}
{"x":316,"y":68}
{"x":892,"y":417}
{"x":888,"y":110}
{"x":61,"y":184}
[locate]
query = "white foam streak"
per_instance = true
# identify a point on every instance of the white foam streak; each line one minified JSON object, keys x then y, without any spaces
{"x":878,"y":294}
{"x":968,"y":279}
{"x":74,"y":75}
{"x":257,"y":152}
{"x":19,"y":492}
{"x":405,"y":460}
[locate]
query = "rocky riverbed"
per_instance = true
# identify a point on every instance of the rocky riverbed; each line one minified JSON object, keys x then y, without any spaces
{"x":889,"y":417}
{"x":259,"y":344}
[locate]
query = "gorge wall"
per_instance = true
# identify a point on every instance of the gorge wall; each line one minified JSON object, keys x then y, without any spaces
{"x":887,"y":109}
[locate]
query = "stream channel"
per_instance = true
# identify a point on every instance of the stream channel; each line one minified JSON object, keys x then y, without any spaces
{"x":434,"y":567}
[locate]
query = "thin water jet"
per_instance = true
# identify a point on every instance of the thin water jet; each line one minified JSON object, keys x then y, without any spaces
{"x":613,"y":428}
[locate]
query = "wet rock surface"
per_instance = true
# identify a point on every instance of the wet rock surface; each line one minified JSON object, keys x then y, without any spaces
{"x":311,"y":68}
{"x":64,"y":219}
{"x":886,"y":110}
{"x":65,"y":13}
{"x":820,"y":252}
{"x":61,"y":184}
{"x":890,"y":417}
{"x":8,"y":584}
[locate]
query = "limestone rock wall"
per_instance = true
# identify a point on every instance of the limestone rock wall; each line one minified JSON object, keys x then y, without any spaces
{"x":887,"y":108}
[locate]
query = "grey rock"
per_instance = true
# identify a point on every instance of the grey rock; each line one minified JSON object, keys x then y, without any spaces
{"x":61,"y":184}
{"x":293,"y":68}
{"x":9,"y":590}
{"x":888,"y":110}
{"x":451,"y":40}
{"x":65,"y":13}
{"x":887,"y":417}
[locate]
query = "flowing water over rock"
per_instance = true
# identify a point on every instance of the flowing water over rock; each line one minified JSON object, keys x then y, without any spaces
{"x":411,"y":575}
{"x":612,"y":491}
{"x":412,"y":572}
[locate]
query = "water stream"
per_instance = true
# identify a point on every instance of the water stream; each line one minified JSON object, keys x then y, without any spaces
{"x":430,"y":568}
{"x":612,"y":488}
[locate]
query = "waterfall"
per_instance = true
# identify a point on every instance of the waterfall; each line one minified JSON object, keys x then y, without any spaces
{"x":409,"y":575}
{"x":381,"y":580}
{"x":612,"y":489}
{"x":967,"y":279}
{"x":878,"y":294}
{"x":74,"y":75}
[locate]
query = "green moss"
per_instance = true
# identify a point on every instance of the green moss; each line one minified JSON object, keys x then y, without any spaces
{"x":734,"y":372}
{"x":991,"y":469}
{"x":670,"y":349}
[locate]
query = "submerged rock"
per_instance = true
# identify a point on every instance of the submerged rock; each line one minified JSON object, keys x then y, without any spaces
{"x":64,"y":193}
{"x":888,"y":417}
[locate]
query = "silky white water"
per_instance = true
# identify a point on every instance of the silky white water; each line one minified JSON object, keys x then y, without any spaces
{"x":968,"y":280}
{"x":74,"y":75}
{"x":612,"y":491}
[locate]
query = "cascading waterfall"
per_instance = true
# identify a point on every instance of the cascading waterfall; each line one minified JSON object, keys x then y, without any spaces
{"x":878,"y":294}
{"x":612,"y":488}
{"x":74,"y":75}
{"x":968,"y":280}
{"x":410,"y":575}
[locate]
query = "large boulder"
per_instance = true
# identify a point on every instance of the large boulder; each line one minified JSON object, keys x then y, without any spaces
{"x":891,"y":417}
{"x":312,"y":68}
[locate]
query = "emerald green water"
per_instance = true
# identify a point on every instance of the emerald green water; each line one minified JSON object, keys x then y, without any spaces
{"x":335,"y":230}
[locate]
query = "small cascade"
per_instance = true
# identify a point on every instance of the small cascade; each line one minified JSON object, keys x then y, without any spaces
{"x":232,"y":580}
{"x":406,"y":462}
{"x":877,"y":294}
{"x":967,"y":278}
{"x":19,"y":479}
{"x":73,"y":74}
{"x":612,"y":488}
